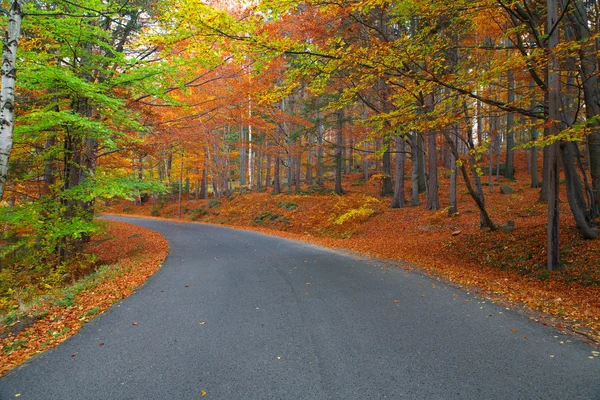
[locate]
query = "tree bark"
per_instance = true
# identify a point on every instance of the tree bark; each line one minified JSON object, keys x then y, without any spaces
{"x":7,"y":94}
{"x":453,"y":205}
{"x":338,"y":152}
{"x":386,"y":182}
{"x":414,"y":197}
{"x":589,"y":66}
{"x":583,"y":218}
{"x":553,"y":97}
{"x":399,"y":200}
{"x":509,"y":169}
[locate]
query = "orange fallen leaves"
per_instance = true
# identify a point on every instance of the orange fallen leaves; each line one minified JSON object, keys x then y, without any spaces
{"x":502,"y":266}
{"x":137,"y":251}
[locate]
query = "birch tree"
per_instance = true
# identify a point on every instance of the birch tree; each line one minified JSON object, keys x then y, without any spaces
{"x":7,"y":96}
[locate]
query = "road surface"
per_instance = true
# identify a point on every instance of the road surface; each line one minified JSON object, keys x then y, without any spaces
{"x":241,"y":315}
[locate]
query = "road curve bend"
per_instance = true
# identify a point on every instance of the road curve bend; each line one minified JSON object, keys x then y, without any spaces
{"x":241,"y":315}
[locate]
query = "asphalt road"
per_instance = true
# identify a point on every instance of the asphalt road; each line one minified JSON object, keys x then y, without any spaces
{"x":241,"y":315}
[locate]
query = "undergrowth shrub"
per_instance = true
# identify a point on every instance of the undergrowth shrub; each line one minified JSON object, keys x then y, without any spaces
{"x":345,"y":212}
{"x":198,"y":213}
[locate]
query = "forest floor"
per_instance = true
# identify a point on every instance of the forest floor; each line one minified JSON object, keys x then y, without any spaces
{"x":506,"y":267}
{"x":126,"y":257}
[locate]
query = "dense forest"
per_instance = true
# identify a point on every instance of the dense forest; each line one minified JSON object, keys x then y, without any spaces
{"x":155,"y":101}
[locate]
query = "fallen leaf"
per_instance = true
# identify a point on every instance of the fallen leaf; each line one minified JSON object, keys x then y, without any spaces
{"x":134,"y":323}
{"x":201,"y":322}
{"x":18,"y":395}
{"x":395,"y":301}
{"x":73,"y":355}
{"x":101,"y":344}
{"x":203,"y":393}
{"x":513,"y":330}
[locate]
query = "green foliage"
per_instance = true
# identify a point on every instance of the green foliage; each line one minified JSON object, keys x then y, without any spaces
{"x":155,"y":211}
{"x":287,"y":206}
{"x":198,"y":213}
{"x":265,"y":217}
{"x":214,"y":203}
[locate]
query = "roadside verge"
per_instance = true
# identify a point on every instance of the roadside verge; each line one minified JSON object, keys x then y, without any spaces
{"x":128,"y":255}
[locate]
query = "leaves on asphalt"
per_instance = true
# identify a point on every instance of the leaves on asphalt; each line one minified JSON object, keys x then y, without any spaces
{"x":134,"y":253}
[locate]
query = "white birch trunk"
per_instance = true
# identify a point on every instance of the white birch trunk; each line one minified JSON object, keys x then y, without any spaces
{"x":7,"y":95}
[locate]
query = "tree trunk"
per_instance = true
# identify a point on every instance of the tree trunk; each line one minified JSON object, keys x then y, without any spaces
{"x":453,"y":205}
{"x":421,"y":164}
{"x":553,"y":98}
{"x":276,"y":174}
{"x":583,"y":218}
{"x":309,"y":161}
{"x":589,"y":66}
{"x":338,"y":152}
{"x":399,"y":200}
{"x":7,"y":95}
{"x":386,"y":182}
{"x":179,"y":198}
{"x":509,"y":166}
{"x":414,"y":197}
{"x":319,"y":149}
{"x":433,"y":201}
{"x":478,"y":200}
{"x":268,"y":172}
{"x":535,"y":181}
{"x":243,"y":156}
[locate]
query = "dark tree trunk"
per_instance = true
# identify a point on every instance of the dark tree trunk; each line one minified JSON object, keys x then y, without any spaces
{"x":399,"y":200}
{"x":421,"y":164}
{"x":268,"y":172}
{"x":433,"y":201}
{"x":545,"y":172}
{"x":553,"y":102}
{"x":509,"y":169}
{"x":453,"y":205}
{"x":319,"y":149}
{"x":338,"y":161}
{"x":589,"y":65}
{"x":276,"y":173}
{"x":478,"y":200}
{"x":386,"y":183}
{"x":535,"y":180}
{"x":414,"y":197}
{"x":581,"y":213}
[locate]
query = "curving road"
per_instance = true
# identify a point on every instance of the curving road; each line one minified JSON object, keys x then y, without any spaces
{"x":241,"y":315}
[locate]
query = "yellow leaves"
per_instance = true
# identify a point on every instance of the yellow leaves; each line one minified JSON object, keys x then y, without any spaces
{"x":203,"y":393}
{"x":201,"y":323}
{"x":365,"y":209}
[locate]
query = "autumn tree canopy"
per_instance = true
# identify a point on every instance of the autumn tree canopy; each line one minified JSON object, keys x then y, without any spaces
{"x":159,"y":100}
